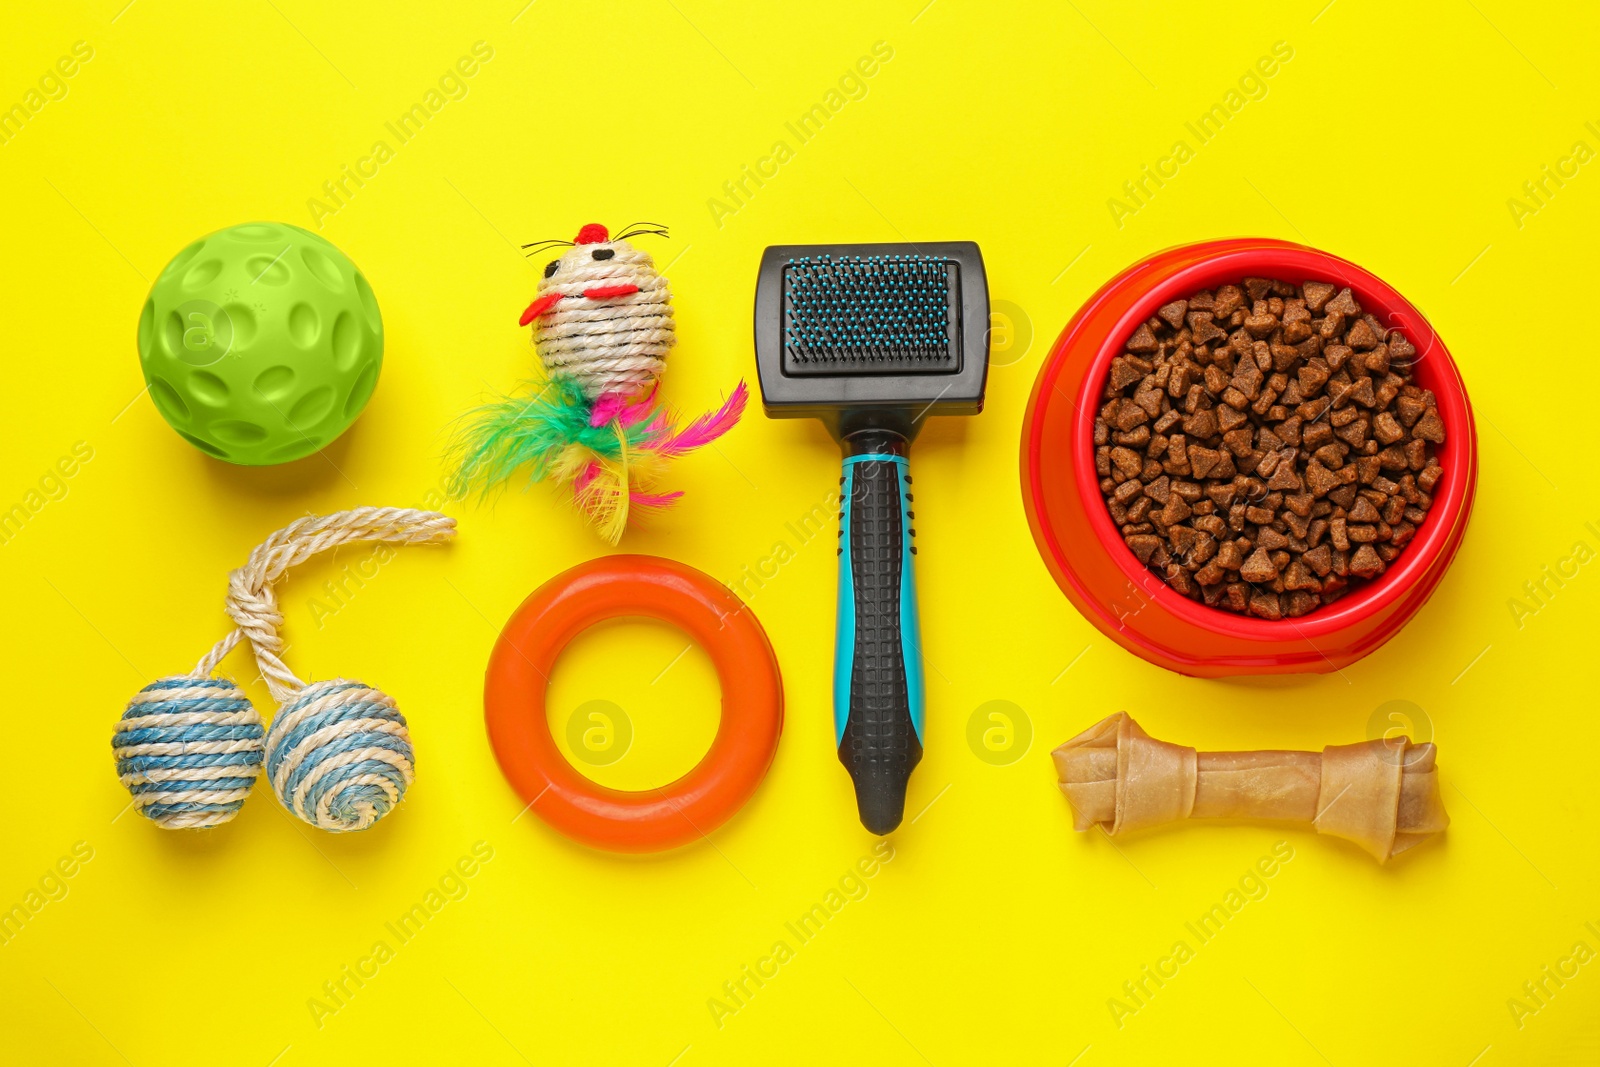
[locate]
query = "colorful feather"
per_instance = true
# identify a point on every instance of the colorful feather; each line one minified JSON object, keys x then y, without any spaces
{"x":611,"y":467}
{"x":702,"y":431}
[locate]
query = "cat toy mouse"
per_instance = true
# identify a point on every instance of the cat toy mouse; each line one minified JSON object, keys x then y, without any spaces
{"x":602,"y":326}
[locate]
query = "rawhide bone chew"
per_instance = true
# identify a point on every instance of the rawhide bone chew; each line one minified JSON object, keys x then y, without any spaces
{"x":338,"y":753}
{"x":1382,"y":794}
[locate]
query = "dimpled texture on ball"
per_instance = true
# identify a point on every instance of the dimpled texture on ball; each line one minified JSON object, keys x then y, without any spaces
{"x":339,"y":755}
{"x":260,"y":343}
{"x":189,"y":750}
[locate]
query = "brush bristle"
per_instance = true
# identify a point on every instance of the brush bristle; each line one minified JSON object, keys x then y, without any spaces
{"x":870,"y":314}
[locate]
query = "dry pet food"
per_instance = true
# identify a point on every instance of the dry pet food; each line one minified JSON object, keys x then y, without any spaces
{"x":1262,"y":447}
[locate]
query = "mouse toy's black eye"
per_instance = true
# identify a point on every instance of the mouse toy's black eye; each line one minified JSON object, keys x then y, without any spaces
{"x":604,"y":253}
{"x":550,"y":267}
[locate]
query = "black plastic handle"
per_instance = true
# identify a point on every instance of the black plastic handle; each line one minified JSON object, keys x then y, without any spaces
{"x":878,"y":691}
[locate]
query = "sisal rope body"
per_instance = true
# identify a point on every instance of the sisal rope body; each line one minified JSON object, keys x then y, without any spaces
{"x":613,"y":346}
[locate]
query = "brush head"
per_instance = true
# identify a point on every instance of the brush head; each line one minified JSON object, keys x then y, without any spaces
{"x":871,"y":314}
{"x":864,"y":336}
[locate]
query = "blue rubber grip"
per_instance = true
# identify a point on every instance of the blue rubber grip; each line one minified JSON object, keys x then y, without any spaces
{"x":877,"y":681}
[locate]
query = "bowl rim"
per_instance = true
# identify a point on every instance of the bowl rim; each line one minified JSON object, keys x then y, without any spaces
{"x":1183,"y":270}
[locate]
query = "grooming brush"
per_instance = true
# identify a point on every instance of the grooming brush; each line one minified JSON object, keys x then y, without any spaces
{"x":872,"y":339}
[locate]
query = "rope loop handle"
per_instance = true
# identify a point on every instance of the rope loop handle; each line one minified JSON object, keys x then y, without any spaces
{"x":252,"y":601}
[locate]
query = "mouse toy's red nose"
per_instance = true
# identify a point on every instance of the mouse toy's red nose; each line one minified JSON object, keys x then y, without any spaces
{"x":538,"y":307}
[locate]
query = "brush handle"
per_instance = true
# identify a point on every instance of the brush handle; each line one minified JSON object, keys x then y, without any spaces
{"x":877,"y":671}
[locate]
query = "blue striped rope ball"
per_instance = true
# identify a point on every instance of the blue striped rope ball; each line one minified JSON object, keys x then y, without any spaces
{"x":189,"y":749}
{"x":339,"y":755}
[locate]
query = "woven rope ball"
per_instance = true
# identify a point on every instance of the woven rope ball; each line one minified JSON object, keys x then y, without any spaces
{"x":189,"y":749}
{"x":339,"y":755}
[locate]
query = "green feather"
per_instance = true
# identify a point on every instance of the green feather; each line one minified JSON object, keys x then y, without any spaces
{"x":528,"y":433}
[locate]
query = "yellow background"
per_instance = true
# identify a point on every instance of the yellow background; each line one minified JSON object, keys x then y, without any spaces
{"x":995,"y":935}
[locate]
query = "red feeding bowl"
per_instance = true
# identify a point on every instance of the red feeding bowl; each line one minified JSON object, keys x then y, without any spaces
{"x":1084,"y":549}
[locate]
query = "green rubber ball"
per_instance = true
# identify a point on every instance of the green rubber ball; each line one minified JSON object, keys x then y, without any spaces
{"x":260,"y":343}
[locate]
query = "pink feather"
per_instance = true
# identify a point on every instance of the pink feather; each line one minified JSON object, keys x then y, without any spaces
{"x":622,"y":407}
{"x":654,"y":500}
{"x":705,"y":429}
{"x":637,"y":412}
{"x":606,"y":408}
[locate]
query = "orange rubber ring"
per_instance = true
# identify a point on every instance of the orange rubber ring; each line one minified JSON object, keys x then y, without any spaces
{"x":649,"y":820}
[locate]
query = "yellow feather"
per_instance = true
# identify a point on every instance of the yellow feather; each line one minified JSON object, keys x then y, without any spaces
{"x":571,"y":462}
{"x":606,"y":497}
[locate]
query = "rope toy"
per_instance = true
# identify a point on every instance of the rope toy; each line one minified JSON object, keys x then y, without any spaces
{"x":603,"y":326}
{"x":338,"y":754}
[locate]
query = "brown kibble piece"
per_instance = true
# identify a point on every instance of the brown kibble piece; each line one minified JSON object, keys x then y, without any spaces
{"x":1125,"y":372}
{"x":1362,"y":393}
{"x":1284,"y":477}
{"x":1127,"y":461}
{"x":1202,"y":329}
{"x":1319,"y":479}
{"x":1261,"y":325}
{"x":1386,"y":429}
{"x":1129,"y":416}
{"x":1266,"y":605}
{"x":1298,"y":576}
{"x":1313,"y":375}
{"x":1202,"y":460}
{"x":1411,"y":409}
{"x":1363,"y":511}
{"x":1365,"y":563}
{"x":1177,"y":455}
{"x":1429,"y":428}
{"x":1344,"y":304}
{"x":1172,"y":314}
{"x":1230,"y":298}
{"x":1258,"y":568}
{"x":1183,"y":540}
{"x":1317,"y":295}
{"x":1143,"y":545}
{"x":1302,"y":603}
{"x":1229,"y":555}
{"x":1143,"y":340}
{"x":1361,"y":336}
{"x":1201,"y":424}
